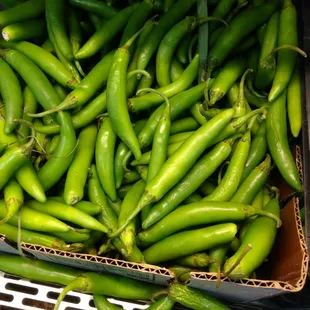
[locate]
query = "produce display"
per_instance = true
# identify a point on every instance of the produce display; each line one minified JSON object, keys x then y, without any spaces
{"x":117,"y":140}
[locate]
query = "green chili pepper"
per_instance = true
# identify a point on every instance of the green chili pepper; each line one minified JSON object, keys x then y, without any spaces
{"x":75,"y":31}
{"x":93,"y":82}
{"x":13,"y":159}
{"x":39,"y":270}
{"x":169,"y":44}
{"x":13,"y":197}
{"x":178,"y":104}
{"x":78,"y":170}
{"x":183,"y":125}
{"x":172,"y":171}
{"x":108,"y":216}
{"x":67,"y":213}
{"x":248,"y":20}
{"x":129,"y":203}
{"x":46,"y":61}
{"x":194,"y":299}
{"x":218,"y":255}
{"x":146,"y":82}
{"x":12,"y":96}
{"x":131,"y":177}
{"x":136,"y":21}
{"x":105,"y":33}
{"x":126,"y":288}
{"x":105,"y":146}
{"x":286,"y":58}
{"x":167,"y":21}
{"x":221,"y":10}
{"x":257,"y":151}
{"x":146,"y":157}
{"x":162,"y":303}
{"x":262,"y":228}
{"x":36,"y":238}
{"x":117,"y":100}
{"x":69,"y":65}
{"x":152,"y":100}
{"x":227,"y":77}
{"x":182,"y":49}
{"x":55,"y":13}
{"x":102,"y":303}
{"x":23,"y":11}
{"x":197,"y":115}
{"x":278,"y":143}
{"x":267,"y":62}
{"x":253,"y":183}
{"x":24,"y":30}
{"x":230,"y":183}
{"x":200,"y":213}
{"x":198,"y":260}
{"x":176,"y":69}
{"x":94,"y":6}
{"x":159,"y":149}
{"x":83,"y":205}
{"x":190,"y":242}
{"x":30,"y":106}
{"x":34,"y":220}
{"x":202,"y":169}
{"x":160,"y":144}
{"x":294,"y":103}
{"x":52,"y":171}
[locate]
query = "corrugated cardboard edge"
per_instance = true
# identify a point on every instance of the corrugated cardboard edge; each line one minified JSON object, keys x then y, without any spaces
{"x":139,"y":271}
{"x":280,"y":285}
{"x":298,"y":160}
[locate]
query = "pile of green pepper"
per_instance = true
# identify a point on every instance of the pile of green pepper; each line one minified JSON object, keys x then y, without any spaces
{"x":111,"y":144}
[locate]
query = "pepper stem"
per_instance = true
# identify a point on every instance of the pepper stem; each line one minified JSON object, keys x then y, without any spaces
{"x":252,"y":122}
{"x":11,"y":212}
{"x":272,"y":216}
{"x":79,"y":283}
{"x":145,"y":200}
{"x":203,"y":20}
{"x":206,"y":94}
{"x":152,"y":90}
{"x":162,"y":292}
{"x":139,"y":72}
{"x":241,"y":98}
{"x":253,"y":91}
{"x":246,"y":250}
{"x":289,"y":47}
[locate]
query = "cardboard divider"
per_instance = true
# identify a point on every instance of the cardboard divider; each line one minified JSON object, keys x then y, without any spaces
{"x":143,"y":272}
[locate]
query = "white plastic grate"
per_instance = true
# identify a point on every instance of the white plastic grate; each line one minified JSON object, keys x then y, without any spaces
{"x":17,"y":293}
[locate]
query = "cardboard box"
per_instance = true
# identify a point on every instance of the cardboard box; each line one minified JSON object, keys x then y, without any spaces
{"x":286,"y":270}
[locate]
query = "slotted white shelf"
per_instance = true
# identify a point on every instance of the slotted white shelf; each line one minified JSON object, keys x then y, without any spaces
{"x":17,"y":293}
